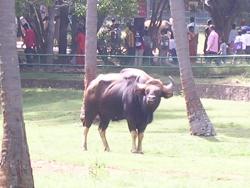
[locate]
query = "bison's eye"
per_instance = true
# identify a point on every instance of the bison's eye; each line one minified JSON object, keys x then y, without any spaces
{"x":147,"y":91}
{"x":157,"y":92}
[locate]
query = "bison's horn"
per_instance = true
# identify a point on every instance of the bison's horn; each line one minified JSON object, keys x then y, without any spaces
{"x":168,"y":89}
{"x":170,"y":86}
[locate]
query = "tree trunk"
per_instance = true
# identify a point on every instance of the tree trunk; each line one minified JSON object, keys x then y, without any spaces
{"x":64,"y":21}
{"x":198,"y":120}
{"x":38,"y":26}
{"x":156,"y":20}
{"x":91,"y":41}
{"x":15,"y":166}
{"x":73,"y":34}
{"x":50,"y":34}
{"x":90,"y":46}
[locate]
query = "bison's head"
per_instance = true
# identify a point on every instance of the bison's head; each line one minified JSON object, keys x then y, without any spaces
{"x":153,"y":90}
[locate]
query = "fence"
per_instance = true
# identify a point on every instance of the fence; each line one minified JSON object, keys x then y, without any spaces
{"x":72,"y":60}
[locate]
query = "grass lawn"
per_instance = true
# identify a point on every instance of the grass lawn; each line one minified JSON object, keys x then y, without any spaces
{"x":239,"y":79}
{"x":172,"y":157}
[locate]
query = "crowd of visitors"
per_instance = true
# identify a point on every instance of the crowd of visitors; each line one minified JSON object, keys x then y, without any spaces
{"x":140,"y":48}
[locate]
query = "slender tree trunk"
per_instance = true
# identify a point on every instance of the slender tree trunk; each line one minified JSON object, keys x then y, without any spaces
{"x":64,"y":21}
{"x":50,"y":33}
{"x":38,"y":26}
{"x":198,"y":120}
{"x":73,"y":34}
{"x":90,"y":47}
{"x":156,"y":20}
{"x":15,"y":166}
{"x":91,"y":41}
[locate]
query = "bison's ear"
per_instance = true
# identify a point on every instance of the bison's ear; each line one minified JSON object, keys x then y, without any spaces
{"x":140,"y":89}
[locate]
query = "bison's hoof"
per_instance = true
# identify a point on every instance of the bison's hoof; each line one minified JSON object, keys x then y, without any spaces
{"x":140,"y":152}
{"x":85,"y":148}
{"x":107,"y":150}
{"x":133,"y":151}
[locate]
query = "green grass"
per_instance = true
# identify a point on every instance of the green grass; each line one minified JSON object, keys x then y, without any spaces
{"x":233,"y":75}
{"x":173,"y":158}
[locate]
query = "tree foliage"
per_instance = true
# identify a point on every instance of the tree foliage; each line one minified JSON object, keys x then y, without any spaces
{"x":119,"y":8}
{"x":225,"y":12}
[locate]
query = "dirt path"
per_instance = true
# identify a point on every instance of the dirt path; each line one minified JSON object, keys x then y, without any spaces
{"x":91,"y":171}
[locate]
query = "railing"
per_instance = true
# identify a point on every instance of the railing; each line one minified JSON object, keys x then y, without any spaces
{"x":74,"y":60}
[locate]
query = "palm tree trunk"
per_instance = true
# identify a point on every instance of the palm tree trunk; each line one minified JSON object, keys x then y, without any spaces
{"x":15,"y":167}
{"x":90,"y":47}
{"x":197,"y":116}
{"x":91,"y":41}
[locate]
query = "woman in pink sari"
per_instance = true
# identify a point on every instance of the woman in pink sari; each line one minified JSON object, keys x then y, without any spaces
{"x":80,"y":41}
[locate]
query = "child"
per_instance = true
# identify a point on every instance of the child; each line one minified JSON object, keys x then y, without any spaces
{"x":223,"y":51}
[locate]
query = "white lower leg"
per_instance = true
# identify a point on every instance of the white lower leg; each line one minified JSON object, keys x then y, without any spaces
{"x":140,"y":138}
{"x":104,"y":140}
{"x":134,"y":137}
{"x":85,"y":134}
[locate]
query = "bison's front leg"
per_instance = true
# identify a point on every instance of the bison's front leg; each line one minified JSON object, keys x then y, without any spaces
{"x":102,"y":130}
{"x":140,"y":138}
{"x":85,"y":134}
{"x":134,"y":137}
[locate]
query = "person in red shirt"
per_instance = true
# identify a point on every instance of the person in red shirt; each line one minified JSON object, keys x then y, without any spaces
{"x":192,"y":41}
{"x":29,"y":41}
{"x":80,"y":41}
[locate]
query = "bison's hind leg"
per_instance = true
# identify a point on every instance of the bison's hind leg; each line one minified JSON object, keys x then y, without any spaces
{"x":102,"y":130}
{"x":87,"y":122}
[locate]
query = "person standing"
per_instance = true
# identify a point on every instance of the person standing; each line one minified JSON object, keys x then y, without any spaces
{"x":212,"y":43}
{"x":172,"y":49}
{"x":29,"y":41}
{"x":115,"y":39}
{"x":80,"y":50}
{"x":164,"y":45}
{"x":147,"y":43}
{"x":232,"y":35}
{"x":192,"y":41}
{"x":243,"y":40}
{"x":223,"y":51}
{"x":247,"y":40}
{"x":139,"y":48}
{"x":192,"y":24}
{"x":207,"y":32}
{"x":130,"y":42}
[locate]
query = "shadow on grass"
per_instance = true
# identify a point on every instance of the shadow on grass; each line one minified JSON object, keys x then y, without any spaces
{"x":233,"y":130}
{"x":47,"y":97}
{"x":210,"y":139}
{"x":236,"y":132}
{"x":167,"y":130}
{"x":170,"y":114}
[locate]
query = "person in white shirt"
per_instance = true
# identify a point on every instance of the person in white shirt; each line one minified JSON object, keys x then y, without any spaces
{"x":238,"y":47}
{"x":232,"y":35}
{"x":172,"y":49}
{"x":247,"y":41}
{"x":223,"y":51}
{"x":243,"y":41}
